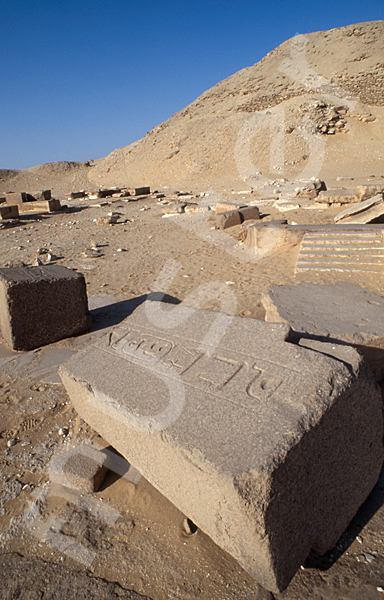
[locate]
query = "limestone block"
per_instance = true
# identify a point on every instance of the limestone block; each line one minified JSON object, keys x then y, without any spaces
{"x":368,"y":191}
{"x":9,"y":212}
{"x":236,"y":217}
{"x":40,"y":206}
{"x":106,"y":193}
{"x":222,"y":207}
{"x":228,"y":219}
{"x":265,"y":240}
{"x":338,"y":196}
{"x":18,"y":198}
{"x":141,"y":191}
{"x":364,"y":212}
{"x":238,"y":427}
{"x":41,"y":305}
{"x":75,"y":195}
{"x":44,"y":195}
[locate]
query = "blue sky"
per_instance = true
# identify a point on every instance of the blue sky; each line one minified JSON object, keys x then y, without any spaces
{"x":82,"y":78}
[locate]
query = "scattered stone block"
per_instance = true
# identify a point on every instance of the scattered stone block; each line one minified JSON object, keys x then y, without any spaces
{"x":249,"y":213}
{"x":44,"y":195}
{"x":222,"y":207}
{"x":141,"y":191}
{"x":75,"y":195}
{"x":364,"y":212}
{"x":18,"y":198}
{"x":106,"y":193}
{"x":271,"y":238}
{"x":40,"y":206}
{"x":268,"y":447}
{"x":41,"y":305}
{"x":9,"y":212}
{"x":236,"y":217}
{"x":365,"y":192}
{"x":311,"y":190}
{"x":112,"y":220}
{"x":286,"y":206}
{"x":337,"y":196}
{"x":338,"y":312}
{"x":228,"y":219}
{"x":81,"y":468}
{"x":174,"y":208}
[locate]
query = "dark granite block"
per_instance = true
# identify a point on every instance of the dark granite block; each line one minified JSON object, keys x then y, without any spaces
{"x":41,"y":305}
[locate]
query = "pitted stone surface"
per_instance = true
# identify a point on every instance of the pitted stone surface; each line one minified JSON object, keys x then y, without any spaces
{"x":338,"y":311}
{"x":41,"y":305}
{"x":238,"y":427}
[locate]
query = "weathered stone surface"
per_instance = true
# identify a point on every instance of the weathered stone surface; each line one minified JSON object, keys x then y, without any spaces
{"x":141,"y":191}
{"x":40,"y":206}
{"x":364,"y":212}
{"x":174,"y":208}
{"x":9,"y":211}
{"x":18,"y":198}
{"x":228,"y":219}
{"x":263,"y":241}
{"x":236,"y":217}
{"x":81,"y":468}
{"x":80,"y":194}
{"x":222,"y":207}
{"x":368,"y":191}
{"x":44,"y":195}
{"x":41,"y":305}
{"x":236,"y":426}
{"x":338,"y":196}
{"x":248,"y":213}
{"x":105,"y":193}
{"x":338,"y":312}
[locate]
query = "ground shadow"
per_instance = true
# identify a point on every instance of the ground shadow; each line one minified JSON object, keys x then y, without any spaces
{"x":108,"y":315}
{"x":365,"y":513}
{"x":118,"y":467}
{"x":373,"y":355}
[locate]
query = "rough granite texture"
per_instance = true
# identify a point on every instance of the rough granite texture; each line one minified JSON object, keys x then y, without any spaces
{"x":331,"y":312}
{"x":269,"y":447}
{"x":80,"y":468}
{"x":41,"y":305}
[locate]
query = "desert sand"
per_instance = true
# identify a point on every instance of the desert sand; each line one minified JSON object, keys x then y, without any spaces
{"x":216,"y":149}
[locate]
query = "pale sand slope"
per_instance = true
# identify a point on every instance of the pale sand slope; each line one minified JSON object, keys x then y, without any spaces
{"x":199,"y":145}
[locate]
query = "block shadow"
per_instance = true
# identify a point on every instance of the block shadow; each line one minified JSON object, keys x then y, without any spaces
{"x":108,"y":315}
{"x":365,"y":513}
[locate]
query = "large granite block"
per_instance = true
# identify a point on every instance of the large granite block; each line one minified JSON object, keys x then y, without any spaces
{"x":269,"y":447}
{"x":332,"y":312}
{"x":41,"y":305}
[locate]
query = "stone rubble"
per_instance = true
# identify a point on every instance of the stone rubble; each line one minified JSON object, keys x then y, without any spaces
{"x":367,"y":211}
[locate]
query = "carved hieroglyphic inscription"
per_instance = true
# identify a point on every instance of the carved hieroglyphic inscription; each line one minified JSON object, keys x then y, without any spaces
{"x":239,"y":377}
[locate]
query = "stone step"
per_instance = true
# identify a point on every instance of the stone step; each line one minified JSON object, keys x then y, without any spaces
{"x":344,"y":251}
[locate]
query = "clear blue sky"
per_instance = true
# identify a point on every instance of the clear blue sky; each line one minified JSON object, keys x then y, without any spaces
{"x":81,"y":78}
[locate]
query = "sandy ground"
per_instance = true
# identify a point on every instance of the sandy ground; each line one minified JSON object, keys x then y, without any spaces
{"x":147,"y":549}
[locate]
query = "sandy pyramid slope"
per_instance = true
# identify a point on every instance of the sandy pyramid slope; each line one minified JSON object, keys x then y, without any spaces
{"x":219,"y":140}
